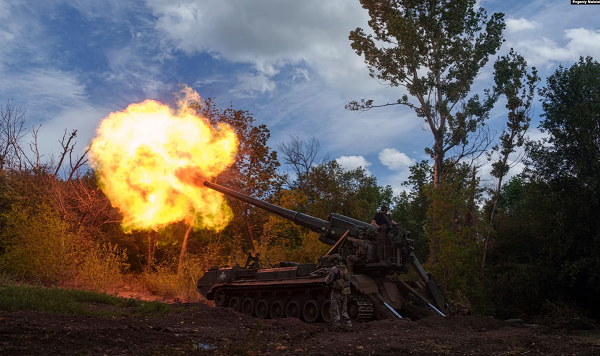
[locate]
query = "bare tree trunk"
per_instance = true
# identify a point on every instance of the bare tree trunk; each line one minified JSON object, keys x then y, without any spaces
{"x":80,"y":162}
{"x":183,"y":250}
{"x":150,"y":250}
{"x":12,"y":120}
{"x":248,"y":226}
{"x":66,"y":149}
{"x":487,"y":238}
{"x":434,"y":247}
{"x":470,"y":218}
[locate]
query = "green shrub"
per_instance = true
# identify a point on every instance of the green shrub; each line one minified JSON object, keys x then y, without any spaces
{"x":39,"y":246}
{"x":101,"y":268}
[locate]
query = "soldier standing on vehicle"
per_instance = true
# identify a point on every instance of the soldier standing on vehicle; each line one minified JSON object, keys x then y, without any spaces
{"x":384,"y":223}
{"x":362,"y":251}
{"x":383,"y":217}
{"x":339,"y":279}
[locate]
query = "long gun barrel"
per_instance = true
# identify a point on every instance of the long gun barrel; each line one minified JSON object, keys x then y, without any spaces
{"x":331,"y":231}
{"x":314,"y":224}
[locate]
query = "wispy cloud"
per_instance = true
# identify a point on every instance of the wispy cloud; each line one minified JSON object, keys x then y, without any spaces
{"x":520,"y":24}
{"x":543,"y":51}
{"x":250,"y":85}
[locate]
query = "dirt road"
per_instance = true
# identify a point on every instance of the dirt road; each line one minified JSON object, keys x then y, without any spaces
{"x":201,"y":329}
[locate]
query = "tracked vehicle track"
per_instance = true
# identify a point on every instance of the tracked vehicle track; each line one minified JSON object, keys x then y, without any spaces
{"x":308,"y":301}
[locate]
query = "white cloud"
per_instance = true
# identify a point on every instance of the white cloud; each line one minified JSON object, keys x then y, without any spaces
{"x":516,"y":167}
{"x":270,"y":34}
{"x":353,"y":162}
{"x":395,"y":160}
{"x":250,"y":84}
{"x":56,"y":101}
{"x":84,"y":119}
{"x":520,"y":24}
{"x":4,"y":10}
{"x":261,"y":32}
{"x":300,"y":73}
{"x":210,"y":80}
{"x":44,"y":89}
{"x":536,"y":135}
{"x":395,"y":181}
{"x":581,"y":42}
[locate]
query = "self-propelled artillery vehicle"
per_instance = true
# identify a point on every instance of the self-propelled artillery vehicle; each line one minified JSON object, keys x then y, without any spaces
{"x":379,"y":281}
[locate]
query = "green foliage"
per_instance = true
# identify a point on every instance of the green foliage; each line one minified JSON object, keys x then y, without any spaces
{"x":548,"y":225}
{"x":460,"y":230}
{"x":74,"y":302}
{"x":514,"y":81}
{"x":101,"y":268}
{"x":571,"y":103}
{"x":326,"y":188}
{"x":351,"y":193}
{"x":285,"y":241}
{"x":253,"y":172}
{"x":39,"y":246}
{"x":449,"y":42}
{"x":410,"y":208}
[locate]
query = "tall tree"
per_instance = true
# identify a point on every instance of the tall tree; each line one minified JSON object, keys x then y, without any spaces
{"x":459,"y":229}
{"x":254,"y":170}
{"x":12,"y":132}
{"x":571,"y":103}
{"x":352,"y":193}
{"x":435,"y":50}
{"x":410,"y":208}
{"x":514,"y":81}
{"x":548,"y":223}
{"x":569,"y":162}
{"x":300,"y":156}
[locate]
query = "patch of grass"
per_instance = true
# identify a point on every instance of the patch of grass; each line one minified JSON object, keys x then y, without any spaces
{"x":6,"y":279}
{"x":76,"y":302}
{"x":166,"y":281}
{"x":590,"y":337}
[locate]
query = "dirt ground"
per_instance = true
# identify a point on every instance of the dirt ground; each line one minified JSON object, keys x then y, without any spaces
{"x":202,"y":329}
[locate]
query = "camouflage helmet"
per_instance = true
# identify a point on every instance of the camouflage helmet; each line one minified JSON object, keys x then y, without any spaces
{"x":335,"y":258}
{"x":385,"y":207}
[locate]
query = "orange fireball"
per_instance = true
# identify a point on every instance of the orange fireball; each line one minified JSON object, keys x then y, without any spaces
{"x":152,"y":161}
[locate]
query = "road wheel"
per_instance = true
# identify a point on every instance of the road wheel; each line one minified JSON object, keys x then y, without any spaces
{"x":277,"y":310}
{"x":261,"y":309}
{"x":326,"y":311}
{"x":235,"y":303}
{"x":221,"y":298}
{"x":292,"y":309}
{"x":248,"y":306}
{"x":311,"y":311}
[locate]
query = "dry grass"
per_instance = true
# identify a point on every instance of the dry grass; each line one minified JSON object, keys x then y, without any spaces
{"x":165,"y":281}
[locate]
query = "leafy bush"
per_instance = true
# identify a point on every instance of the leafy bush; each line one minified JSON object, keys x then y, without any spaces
{"x":38,"y":245}
{"x":101,"y":268}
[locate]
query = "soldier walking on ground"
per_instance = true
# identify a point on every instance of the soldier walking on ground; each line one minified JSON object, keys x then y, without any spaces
{"x":339,"y":279}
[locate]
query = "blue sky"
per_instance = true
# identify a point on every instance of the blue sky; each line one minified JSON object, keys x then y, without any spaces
{"x":289,"y":62}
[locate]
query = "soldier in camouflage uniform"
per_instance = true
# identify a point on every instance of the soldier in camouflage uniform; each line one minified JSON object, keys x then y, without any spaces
{"x":339,"y":279}
{"x":361,"y":252}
